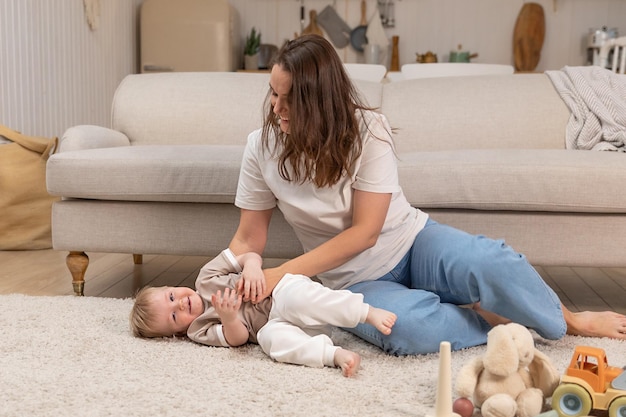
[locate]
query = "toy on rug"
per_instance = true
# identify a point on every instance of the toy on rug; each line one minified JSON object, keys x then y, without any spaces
{"x":512,"y":378}
{"x":590,"y":383}
{"x":443,"y":402}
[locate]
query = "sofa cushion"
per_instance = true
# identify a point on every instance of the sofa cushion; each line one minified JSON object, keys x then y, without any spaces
{"x":516,"y":179}
{"x":208,"y":108}
{"x":180,"y":173}
{"x":189,"y":108}
{"x":521,"y":111}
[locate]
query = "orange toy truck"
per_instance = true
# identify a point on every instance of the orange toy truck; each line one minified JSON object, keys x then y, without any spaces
{"x":590,"y":383}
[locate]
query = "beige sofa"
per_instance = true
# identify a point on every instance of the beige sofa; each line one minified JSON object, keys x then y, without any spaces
{"x":483,"y":153}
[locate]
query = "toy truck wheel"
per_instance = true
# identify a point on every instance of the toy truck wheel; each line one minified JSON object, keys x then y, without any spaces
{"x":571,"y":400}
{"x":618,"y":407}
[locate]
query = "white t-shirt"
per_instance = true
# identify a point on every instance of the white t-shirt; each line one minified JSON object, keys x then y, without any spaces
{"x":319,"y":214}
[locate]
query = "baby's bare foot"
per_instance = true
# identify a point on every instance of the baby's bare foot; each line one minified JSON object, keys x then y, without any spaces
{"x":383,"y":320}
{"x":596,"y":324}
{"x":348,"y":361}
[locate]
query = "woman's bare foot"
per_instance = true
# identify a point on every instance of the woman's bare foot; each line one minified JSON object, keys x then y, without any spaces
{"x":596,"y":324}
{"x":383,"y":320}
{"x":492,"y":318}
{"x":348,"y":361}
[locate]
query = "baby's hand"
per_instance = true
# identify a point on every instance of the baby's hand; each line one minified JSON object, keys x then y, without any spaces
{"x":226,"y":306}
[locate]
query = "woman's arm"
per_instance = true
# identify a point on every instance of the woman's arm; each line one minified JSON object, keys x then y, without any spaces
{"x":251,"y":234}
{"x":368,"y":218}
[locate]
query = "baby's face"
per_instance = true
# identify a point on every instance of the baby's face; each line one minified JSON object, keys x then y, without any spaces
{"x":175,"y":309}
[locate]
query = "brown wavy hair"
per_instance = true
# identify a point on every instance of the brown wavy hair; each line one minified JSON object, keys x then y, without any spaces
{"x":324,"y":139}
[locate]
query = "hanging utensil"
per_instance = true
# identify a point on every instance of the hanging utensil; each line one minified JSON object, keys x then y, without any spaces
{"x":528,"y":37}
{"x":313,"y":28}
{"x":357,"y":36}
{"x":301,"y":16}
{"x":337,"y":29}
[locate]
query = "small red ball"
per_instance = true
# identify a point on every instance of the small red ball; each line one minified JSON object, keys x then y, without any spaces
{"x":463,"y":407}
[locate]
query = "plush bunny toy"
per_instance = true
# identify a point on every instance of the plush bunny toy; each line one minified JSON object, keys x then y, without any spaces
{"x":512,"y":379}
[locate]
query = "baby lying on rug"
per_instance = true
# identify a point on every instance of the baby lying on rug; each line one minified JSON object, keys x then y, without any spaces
{"x":292,"y":326}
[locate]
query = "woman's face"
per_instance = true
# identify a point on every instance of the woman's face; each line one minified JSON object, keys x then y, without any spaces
{"x":280,"y":85}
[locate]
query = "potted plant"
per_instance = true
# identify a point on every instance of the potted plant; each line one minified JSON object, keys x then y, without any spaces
{"x":251,"y":50}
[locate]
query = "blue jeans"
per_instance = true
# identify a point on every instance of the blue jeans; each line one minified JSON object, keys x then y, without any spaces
{"x":445,"y":269}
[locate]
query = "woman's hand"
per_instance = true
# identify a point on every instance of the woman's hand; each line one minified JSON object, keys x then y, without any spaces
{"x":368,"y":218}
{"x":252,"y":284}
{"x":272,"y":277}
{"x":257,"y":293}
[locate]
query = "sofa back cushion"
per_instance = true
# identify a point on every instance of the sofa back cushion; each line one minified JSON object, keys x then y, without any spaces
{"x":476,"y":112}
{"x":197,"y":108}
{"x":189,"y":108}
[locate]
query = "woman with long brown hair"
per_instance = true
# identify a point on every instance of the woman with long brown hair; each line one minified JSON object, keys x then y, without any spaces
{"x":327,"y":161}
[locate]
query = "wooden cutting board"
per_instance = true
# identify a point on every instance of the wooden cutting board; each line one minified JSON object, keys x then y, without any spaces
{"x":528,"y":36}
{"x":313,"y":28}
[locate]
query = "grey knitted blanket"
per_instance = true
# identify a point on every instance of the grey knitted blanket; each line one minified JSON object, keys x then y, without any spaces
{"x":596,"y":98}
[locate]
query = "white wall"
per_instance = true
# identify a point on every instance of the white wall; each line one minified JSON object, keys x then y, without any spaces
{"x":482,"y":26}
{"x":55,"y":71}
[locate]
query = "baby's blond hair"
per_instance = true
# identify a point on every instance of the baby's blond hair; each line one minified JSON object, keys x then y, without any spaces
{"x":142,"y":314}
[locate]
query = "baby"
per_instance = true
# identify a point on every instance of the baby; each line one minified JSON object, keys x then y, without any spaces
{"x":292,"y":326}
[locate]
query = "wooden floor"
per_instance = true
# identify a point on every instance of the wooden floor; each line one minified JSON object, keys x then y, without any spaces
{"x":114,"y":275}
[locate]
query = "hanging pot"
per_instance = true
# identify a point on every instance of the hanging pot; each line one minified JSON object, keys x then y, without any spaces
{"x":266,"y":55}
{"x":461,"y":56}
{"x":427,"y":58}
{"x":357,"y":36}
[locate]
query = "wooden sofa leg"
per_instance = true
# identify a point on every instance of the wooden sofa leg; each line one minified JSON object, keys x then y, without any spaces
{"x":137,"y":258}
{"x":77,"y":263}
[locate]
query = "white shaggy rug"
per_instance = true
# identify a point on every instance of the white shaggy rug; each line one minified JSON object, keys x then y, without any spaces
{"x":74,"y":356}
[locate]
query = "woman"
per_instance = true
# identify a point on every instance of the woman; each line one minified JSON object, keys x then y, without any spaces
{"x":327,"y":161}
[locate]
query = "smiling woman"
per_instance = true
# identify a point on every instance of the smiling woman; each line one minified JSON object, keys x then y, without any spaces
{"x":280,"y":86}
{"x":329,"y":164}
